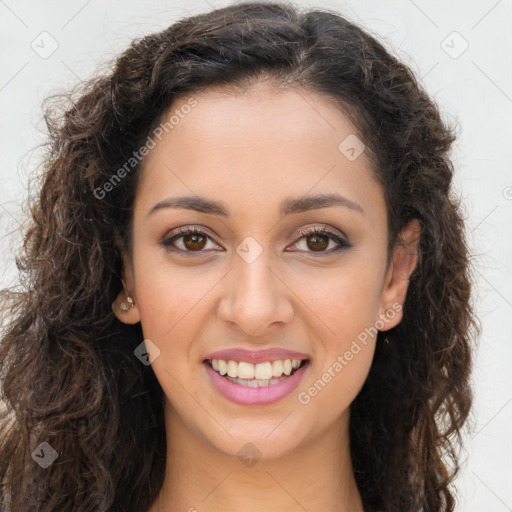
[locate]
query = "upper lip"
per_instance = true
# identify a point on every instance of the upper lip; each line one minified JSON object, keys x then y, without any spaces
{"x":256,"y":356}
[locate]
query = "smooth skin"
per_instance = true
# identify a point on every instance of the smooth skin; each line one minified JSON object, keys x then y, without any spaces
{"x":251,"y":151}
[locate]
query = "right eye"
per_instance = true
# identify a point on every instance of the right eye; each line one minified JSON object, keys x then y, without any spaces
{"x":187,"y":240}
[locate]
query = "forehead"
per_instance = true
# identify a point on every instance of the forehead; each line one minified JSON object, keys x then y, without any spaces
{"x":263,"y":143}
{"x":263,"y":114}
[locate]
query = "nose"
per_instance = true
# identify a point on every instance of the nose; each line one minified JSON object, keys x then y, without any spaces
{"x":255,"y":298}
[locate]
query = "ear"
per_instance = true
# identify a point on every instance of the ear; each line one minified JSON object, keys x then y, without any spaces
{"x":131,"y":315}
{"x":403,"y":263}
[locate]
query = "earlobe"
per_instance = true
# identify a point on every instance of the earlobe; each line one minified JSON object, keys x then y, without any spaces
{"x":125,"y":307}
{"x":403,"y":264}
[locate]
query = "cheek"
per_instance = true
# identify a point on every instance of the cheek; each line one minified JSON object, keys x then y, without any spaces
{"x":346,"y":305}
{"x":345,"y":300}
{"x":345,"y":347}
{"x":169,"y":297}
{"x":172,"y":310}
{"x":334,"y":386}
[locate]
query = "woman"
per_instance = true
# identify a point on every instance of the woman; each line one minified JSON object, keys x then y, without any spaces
{"x":247,"y":284}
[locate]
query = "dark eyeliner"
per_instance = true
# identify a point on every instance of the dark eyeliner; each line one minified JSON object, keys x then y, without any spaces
{"x":342,"y":242}
{"x":167,"y":242}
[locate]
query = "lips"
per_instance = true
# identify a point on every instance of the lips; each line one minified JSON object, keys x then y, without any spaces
{"x":256,"y":356}
{"x":255,"y":396}
{"x":243,"y":391}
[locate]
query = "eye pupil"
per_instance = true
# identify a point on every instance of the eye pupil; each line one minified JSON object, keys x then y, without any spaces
{"x":193,"y":238}
{"x":321,"y":246}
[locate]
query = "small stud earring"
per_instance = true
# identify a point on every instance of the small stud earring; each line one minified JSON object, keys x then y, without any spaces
{"x":125,"y":307}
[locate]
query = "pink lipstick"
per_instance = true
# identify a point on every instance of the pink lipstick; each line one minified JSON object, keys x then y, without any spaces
{"x":245,"y":391}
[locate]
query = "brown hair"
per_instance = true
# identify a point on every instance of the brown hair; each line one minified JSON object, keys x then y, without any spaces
{"x":69,"y":375}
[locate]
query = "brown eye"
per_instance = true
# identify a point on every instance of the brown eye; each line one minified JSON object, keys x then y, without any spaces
{"x":194,"y":242}
{"x":317,"y":242}
{"x":187,"y":241}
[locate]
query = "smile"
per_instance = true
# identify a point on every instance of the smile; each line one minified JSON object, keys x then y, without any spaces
{"x":255,"y":384}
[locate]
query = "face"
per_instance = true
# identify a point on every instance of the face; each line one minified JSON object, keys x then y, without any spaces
{"x":265,"y":268}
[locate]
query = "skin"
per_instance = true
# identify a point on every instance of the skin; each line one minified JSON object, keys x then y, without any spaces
{"x":251,"y":151}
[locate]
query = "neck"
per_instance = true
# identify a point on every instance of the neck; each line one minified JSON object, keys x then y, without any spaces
{"x":315,"y":475}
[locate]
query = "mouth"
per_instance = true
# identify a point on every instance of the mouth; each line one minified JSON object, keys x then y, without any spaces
{"x":261,"y":384}
{"x":251,"y":375}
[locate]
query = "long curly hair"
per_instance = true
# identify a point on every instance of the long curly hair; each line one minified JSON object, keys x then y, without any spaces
{"x":68,"y":372}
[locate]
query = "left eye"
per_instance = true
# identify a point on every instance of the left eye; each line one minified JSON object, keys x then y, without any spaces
{"x":191,"y":240}
{"x":318,"y":239}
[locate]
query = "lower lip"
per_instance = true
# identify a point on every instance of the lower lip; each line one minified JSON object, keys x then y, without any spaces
{"x":243,"y":395}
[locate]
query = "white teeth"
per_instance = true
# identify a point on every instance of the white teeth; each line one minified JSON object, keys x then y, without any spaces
{"x":277,"y":368}
{"x":223,"y":366}
{"x":232,"y":369}
{"x":261,"y":371}
{"x":253,"y":383}
{"x":245,"y":370}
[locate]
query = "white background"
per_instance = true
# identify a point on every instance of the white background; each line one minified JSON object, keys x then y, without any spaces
{"x":475,"y":89}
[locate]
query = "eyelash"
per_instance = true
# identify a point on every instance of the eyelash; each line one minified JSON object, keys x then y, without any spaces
{"x":343,"y":244}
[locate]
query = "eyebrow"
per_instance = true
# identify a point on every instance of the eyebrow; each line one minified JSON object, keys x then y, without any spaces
{"x":288,"y":206}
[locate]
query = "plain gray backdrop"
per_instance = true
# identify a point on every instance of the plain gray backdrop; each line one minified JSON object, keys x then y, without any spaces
{"x":461,"y":50}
